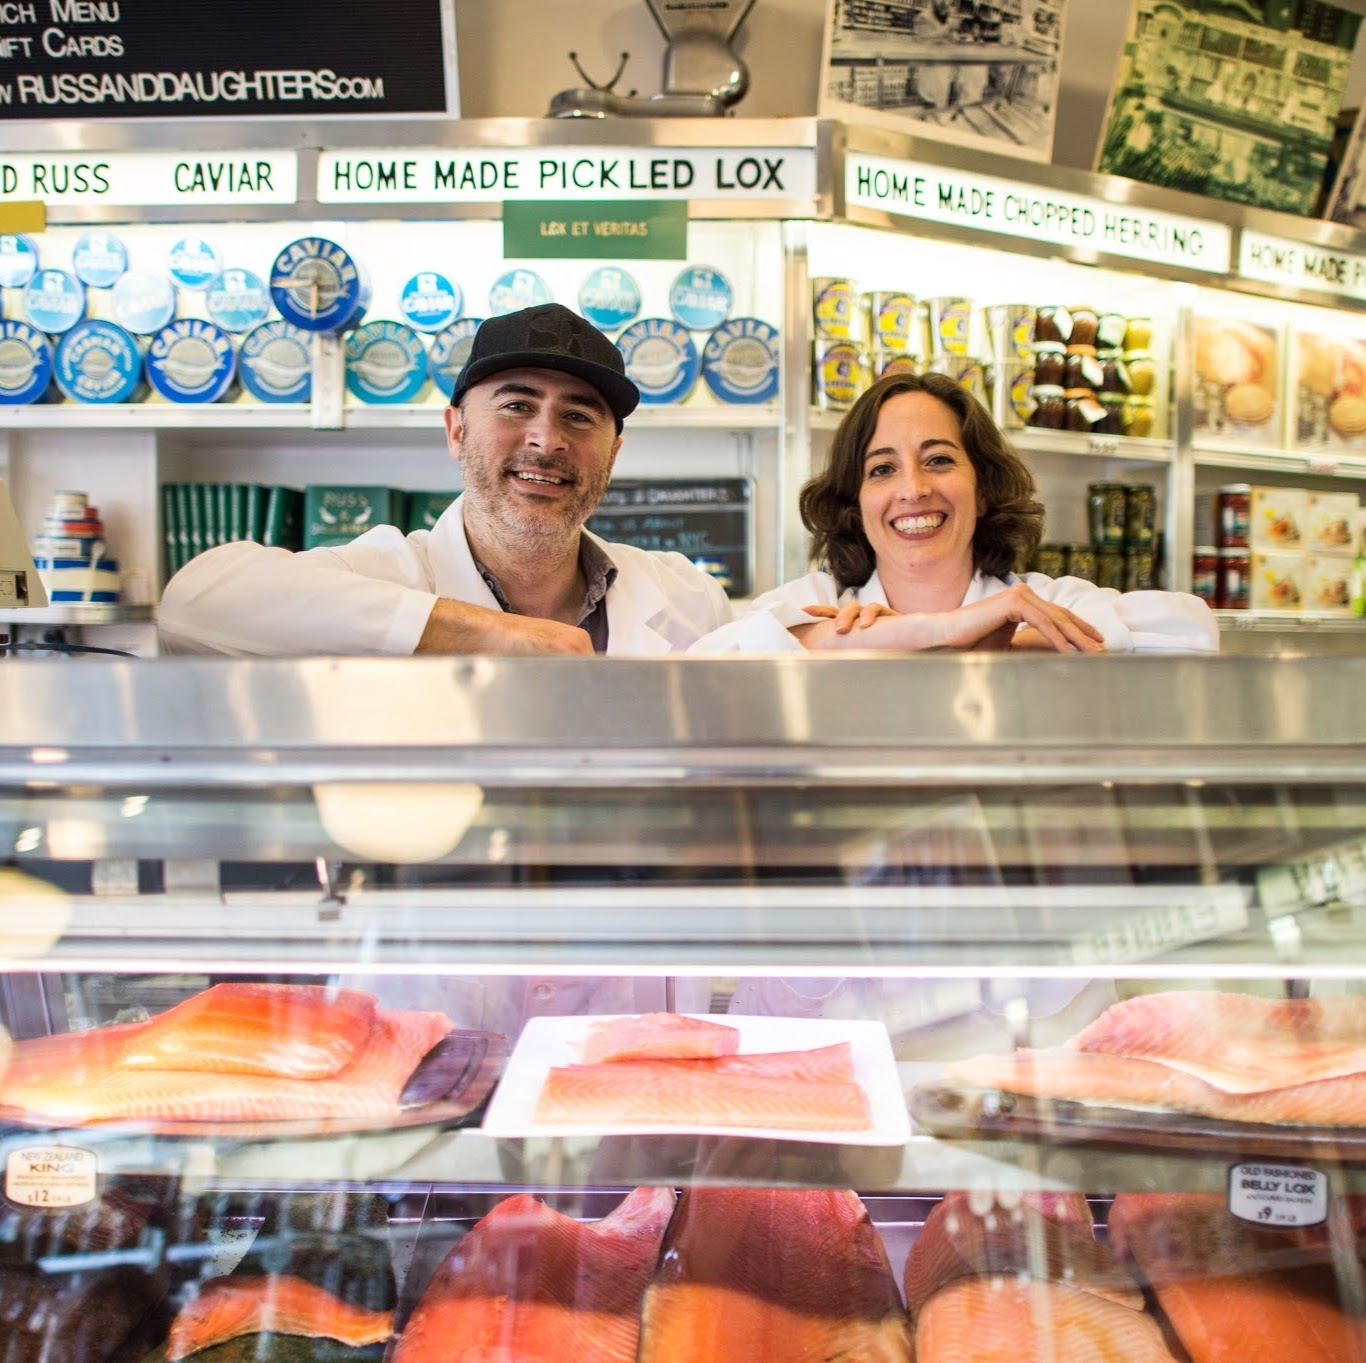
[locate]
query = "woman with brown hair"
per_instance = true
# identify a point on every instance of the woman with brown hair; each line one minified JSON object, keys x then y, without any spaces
{"x":921,"y":522}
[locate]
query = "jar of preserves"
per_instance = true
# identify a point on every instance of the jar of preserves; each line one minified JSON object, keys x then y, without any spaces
{"x":1234,"y":580}
{"x":1050,"y":408}
{"x":1142,"y":372}
{"x":1233,"y":516}
{"x":1050,"y":364}
{"x":1106,"y":510}
{"x":1081,"y":369}
{"x":1053,"y":324}
{"x":1081,"y":561}
{"x":1082,"y":411}
{"x":1050,"y":559}
{"x":1110,"y":567}
{"x":1110,"y":331}
{"x":1205,"y":573}
{"x":1138,"y":333}
{"x":1114,"y":375}
{"x":1112,"y":423}
{"x":1138,"y":416}
{"x":1140,"y":515}
{"x":1084,"y":324}
{"x":1139,"y":570}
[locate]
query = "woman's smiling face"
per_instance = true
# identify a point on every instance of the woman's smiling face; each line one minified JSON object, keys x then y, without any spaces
{"x":919,"y":499}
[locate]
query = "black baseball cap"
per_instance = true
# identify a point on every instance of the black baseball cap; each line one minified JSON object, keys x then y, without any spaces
{"x":549,"y":336}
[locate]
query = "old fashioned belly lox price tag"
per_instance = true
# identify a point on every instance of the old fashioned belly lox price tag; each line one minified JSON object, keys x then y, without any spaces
{"x":51,"y":1176}
{"x":1278,"y":1194}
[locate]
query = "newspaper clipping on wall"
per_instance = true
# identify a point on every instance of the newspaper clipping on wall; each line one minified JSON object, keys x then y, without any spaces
{"x":961,"y":71}
{"x":1232,"y":100}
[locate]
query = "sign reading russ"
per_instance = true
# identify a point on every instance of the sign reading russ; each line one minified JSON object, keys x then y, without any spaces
{"x":162,"y":58}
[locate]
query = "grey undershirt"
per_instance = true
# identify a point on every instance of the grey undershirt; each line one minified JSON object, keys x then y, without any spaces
{"x":598,"y":571}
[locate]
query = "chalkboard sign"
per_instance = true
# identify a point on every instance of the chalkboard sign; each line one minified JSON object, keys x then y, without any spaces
{"x":710,"y":522}
{"x":168,"y":59}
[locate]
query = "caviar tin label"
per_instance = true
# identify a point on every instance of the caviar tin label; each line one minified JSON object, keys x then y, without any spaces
{"x":834,"y":308}
{"x":98,"y":259}
{"x":18,"y":260}
{"x":450,"y":350}
{"x":700,"y":298}
{"x":385,"y":362}
{"x":98,"y":362}
{"x":318,"y":286}
{"x":25,"y":363}
{"x":143,"y":302}
{"x":54,"y":301}
{"x":661,"y":359}
{"x":949,"y":322}
{"x":191,"y":361}
{"x":276,"y":362}
{"x":237,"y":300}
{"x":517,"y":289}
{"x":740,"y":361}
{"x":838,"y":374}
{"x":887,"y":362}
{"x":609,"y":298}
{"x":430,"y":301}
{"x":893,"y":316}
{"x":194,"y":263}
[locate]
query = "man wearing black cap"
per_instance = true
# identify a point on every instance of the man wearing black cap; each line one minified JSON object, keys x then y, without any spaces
{"x":535,"y":421}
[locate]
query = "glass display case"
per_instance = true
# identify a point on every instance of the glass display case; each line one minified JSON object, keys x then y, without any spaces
{"x":1049,"y":968}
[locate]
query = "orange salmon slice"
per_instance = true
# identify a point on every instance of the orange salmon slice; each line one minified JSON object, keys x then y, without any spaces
{"x":227,"y":1308}
{"x":529,"y":1285}
{"x":657,"y":1036}
{"x":290,"y":1030}
{"x":1010,"y":1320}
{"x":765,"y":1273}
{"x":1236,"y":1042}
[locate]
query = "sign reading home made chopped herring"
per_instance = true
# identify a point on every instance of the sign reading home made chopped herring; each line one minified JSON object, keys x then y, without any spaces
{"x":167,"y":59}
{"x":1034,"y":213}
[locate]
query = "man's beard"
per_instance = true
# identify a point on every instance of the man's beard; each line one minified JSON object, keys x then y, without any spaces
{"x":552,"y":524}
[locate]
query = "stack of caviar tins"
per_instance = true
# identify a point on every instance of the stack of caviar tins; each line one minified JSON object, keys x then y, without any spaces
{"x":951,"y":344}
{"x":1010,"y":338}
{"x":71,"y":555}
{"x":839,"y":366}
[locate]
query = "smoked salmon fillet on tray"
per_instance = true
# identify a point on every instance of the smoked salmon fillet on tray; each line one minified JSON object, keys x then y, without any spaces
{"x":255,"y":1062}
{"x":1205,"y":1070}
{"x":829,"y":1081}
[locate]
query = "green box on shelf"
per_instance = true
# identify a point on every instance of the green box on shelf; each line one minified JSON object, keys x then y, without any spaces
{"x":425,"y":508}
{"x":337,"y":515}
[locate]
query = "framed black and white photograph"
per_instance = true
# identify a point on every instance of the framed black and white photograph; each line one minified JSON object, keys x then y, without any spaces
{"x":1232,"y":100}
{"x":960,"y":71}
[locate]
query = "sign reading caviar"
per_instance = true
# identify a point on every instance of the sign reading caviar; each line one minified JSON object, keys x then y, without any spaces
{"x":141,"y":59}
{"x":640,"y":230}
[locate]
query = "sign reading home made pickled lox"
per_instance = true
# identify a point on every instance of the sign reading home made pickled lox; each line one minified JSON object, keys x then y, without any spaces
{"x":153,"y":177}
{"x":1302,"y":265}
{"x":986,"y":203}
{"x":490,"y":176}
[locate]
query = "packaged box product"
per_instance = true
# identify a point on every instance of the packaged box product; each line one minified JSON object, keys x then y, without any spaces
{"x":1237,"y":382}
{"x":1278,"y":582}
{"x":1332,"y":526}
{"x":1330,"y":396}
{"x":1328,"y":579}
{"x":337,"y":515}
{"x":1278,"y":519}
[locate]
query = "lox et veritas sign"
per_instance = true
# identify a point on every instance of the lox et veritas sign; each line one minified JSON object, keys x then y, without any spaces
{"x":631,"y":230}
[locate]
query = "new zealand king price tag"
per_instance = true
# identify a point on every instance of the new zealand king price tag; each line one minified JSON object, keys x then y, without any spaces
{"x":51,"y":1176}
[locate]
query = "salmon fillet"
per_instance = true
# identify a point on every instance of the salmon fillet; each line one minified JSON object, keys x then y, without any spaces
{"x":1088,"y":1077}
{"x":226,"y":1308}
{"x":1046,"y":1236}
{"x":1013,"y":1320}
{"x":528,"y":1285}
{"x":76,"y":1078}
{"x":291,"y":1030}
{"x":657,"y":1036}
{"x":701,"y":1093}
{"x":1237,"y":1042}
{"x":795,"y":1275}
{"x":1246,"y":1306}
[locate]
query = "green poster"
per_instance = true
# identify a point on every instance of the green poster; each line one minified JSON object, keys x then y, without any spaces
{"x":598,"y":229}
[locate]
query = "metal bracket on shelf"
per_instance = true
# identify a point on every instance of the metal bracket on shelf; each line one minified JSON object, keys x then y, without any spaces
{"x":329,"y":382}
{"x":333,"y":901}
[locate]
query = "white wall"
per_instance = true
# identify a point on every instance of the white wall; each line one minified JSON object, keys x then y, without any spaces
{"x":514,"y":57}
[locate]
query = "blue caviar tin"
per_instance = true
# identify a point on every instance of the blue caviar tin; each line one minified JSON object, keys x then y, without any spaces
{"x":318,"y":286}
{"x":54,"y":301}
{"x":700,"y":298}
{"x":275,"y":363}
{"x":609,"y":298}
{"x":430,"y":301}
{"x":193,"y":263}
{"x":191,"y":360}
{"x":661,"y":359}
{"x":98,"y":362}
{"x":143,"y":302}
{"x":18,"y":260}
{"x":740,"y":361}
{"x":237,"y":300}
{"x":25,"y":363}
{"x":518,"y":289}
{"x":385,"y":362}
{"x":450,"y":349}
{"x":98,"y":259}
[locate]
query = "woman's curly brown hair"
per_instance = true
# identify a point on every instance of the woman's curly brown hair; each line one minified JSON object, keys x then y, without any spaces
{"x":1008,"y":531}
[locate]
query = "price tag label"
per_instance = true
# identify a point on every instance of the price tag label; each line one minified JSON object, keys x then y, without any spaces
{"x":1322,"y":463}
{"x":51,"y":1176}
{"x":1278,"y":1194}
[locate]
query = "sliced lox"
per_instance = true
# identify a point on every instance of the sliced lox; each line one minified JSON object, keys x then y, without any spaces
{"x":657,"y":1036}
